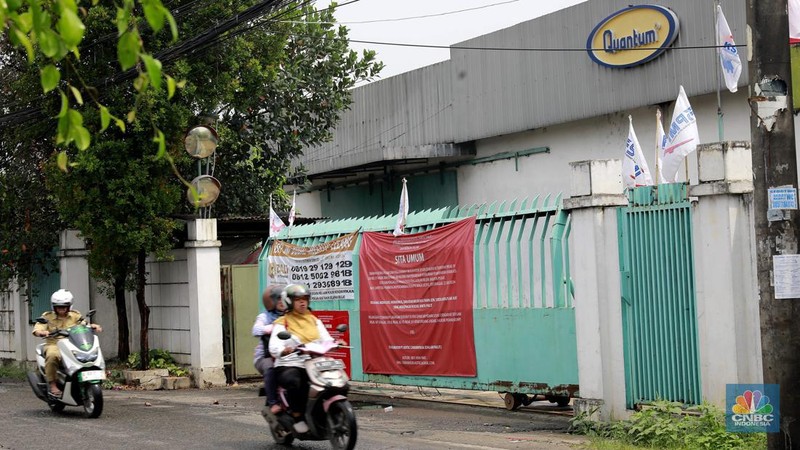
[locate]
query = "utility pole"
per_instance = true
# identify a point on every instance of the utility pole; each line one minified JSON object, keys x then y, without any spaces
{"x":776,"y":231}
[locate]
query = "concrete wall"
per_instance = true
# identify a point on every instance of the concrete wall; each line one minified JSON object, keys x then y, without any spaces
{"x":724,"y":249}
{"x":183,"y":294}
{"x":9,"y":323}
{"x":598,"y":313}
{"x":729,"y":331}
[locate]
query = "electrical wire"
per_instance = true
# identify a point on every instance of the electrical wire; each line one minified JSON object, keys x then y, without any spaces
{"x":253,"y":16}
{"x":166,"y":56}
{"x":400,"y":19}
{"x":535,"y":49}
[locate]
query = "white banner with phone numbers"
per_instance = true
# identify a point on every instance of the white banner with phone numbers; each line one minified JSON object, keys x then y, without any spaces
{"x":327,"y":268}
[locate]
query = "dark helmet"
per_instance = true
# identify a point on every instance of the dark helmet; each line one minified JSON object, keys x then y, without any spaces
{"x":294,"y":292}
{"x":271,"y":296}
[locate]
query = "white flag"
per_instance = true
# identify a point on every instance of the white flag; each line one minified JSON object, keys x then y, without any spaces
{"x":291,"y":211}
{"x":661,"y":142}
{"x":682,"y":137}
{"x":634,"y":167}
{"x":728,"y":55}
{"x":794,"y":21}
{"x":402,"y":212}
{"x":275,"y":222}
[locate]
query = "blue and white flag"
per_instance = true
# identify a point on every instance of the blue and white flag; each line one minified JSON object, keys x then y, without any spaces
{"x":728,"y":55}
{"x":634,"y":167}
{"x":682,"y":137}
{"x":275,"y":222}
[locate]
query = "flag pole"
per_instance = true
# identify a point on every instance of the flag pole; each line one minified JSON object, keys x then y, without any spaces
{"x":658,"y":150}
{"x":716,"y":56}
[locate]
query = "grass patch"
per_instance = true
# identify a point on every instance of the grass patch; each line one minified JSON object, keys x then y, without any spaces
{"x":666,"y":425}
{"x":159,"y":359}
{"x":597,"y":443}
{"x":12,"y":371}
{"x":115,"y":374}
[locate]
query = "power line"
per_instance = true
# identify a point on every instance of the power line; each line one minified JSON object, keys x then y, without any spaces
{"x":536,"y":49}
{"x":34,"y":112}
{"x":399,"y":19}
{"x":196,"y":43}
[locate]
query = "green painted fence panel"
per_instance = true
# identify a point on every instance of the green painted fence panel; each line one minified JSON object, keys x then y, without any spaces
{"x":659,"y":314}
{"x":524,"y":318}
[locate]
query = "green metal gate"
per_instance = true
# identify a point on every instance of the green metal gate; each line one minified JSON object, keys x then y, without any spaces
{"x":523,"y":312}
{"x":659,"y":316}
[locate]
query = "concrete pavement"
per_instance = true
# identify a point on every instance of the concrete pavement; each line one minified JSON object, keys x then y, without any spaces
{"x":487,"y":399}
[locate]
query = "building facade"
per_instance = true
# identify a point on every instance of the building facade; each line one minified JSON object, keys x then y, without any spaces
{"x":508,"y":112}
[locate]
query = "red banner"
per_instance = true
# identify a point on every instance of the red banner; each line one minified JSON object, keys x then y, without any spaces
{"x":331,"y":320}
{"x":416,"y":302}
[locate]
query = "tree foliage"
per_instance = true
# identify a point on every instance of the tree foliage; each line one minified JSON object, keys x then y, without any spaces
{"x":271,"y":86}
{"x":51,"y":34}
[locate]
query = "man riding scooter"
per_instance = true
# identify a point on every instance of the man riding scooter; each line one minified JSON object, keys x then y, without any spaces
{"x":60,"y":318}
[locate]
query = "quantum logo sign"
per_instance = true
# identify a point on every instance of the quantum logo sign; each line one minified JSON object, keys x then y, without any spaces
{"x":632,"y":36}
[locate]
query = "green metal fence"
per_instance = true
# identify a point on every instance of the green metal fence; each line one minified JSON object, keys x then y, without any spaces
{"x":659,"y":316}
{"x":524,"y":319}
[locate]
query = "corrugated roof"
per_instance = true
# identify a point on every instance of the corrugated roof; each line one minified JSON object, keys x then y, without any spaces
{"x":479,"y":94}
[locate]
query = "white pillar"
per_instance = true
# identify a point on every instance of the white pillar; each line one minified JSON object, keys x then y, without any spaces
{"x":205,"y":303}
{"x":74,"y":267}
{"x":728,"y":325}
{"x":596,"y":194}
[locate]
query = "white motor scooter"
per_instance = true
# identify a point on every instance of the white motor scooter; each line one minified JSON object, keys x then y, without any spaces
{"x":328,"y":413}
{"x":82,"y":370}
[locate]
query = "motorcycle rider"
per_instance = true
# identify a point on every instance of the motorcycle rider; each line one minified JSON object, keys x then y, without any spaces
{"x":289,"y":366}
{"x":262,"y":328}
{"x":60,"y":318}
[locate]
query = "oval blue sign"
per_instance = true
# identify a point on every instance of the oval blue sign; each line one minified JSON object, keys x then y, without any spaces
{"x":632,"y":36}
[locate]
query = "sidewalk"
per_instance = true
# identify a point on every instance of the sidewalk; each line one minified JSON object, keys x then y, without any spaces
{"x":487,"y":399}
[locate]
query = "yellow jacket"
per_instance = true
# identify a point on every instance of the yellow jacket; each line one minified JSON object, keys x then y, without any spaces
{"x":55,"y":323}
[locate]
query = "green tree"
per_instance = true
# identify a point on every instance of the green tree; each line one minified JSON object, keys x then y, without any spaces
{"x":272,"y":86}
{"x":28,"y":215}
{"x":120,"y":197}
{"x":51,"y":34}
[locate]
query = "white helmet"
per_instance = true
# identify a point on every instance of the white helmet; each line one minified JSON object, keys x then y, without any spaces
{"x":61,"y":297}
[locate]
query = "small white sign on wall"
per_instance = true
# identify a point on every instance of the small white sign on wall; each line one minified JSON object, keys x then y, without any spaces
{"x":786,"y":276}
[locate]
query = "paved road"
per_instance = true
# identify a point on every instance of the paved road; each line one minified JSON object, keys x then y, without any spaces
{"x":229,"y":418}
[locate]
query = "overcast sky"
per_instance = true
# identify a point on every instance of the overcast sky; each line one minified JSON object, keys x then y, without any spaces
{"x":442,"y":28}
